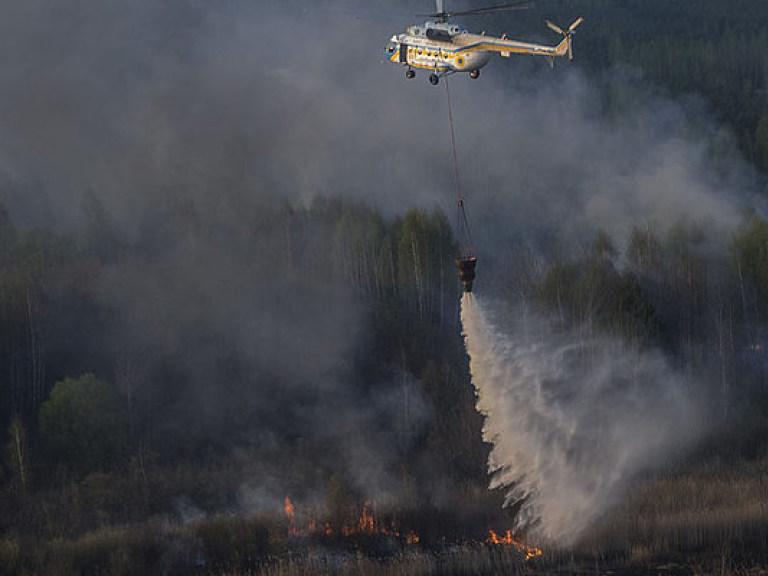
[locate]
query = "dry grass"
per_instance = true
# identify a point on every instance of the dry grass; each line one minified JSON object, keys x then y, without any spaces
{"x":709,"y":519}
{"x":718,"y":508}
{"x":459,"y":560}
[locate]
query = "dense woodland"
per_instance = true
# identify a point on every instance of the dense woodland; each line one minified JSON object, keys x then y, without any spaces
{"x":713,"y":50}
{"x":117,"y":443}
{"x":114,"y":428}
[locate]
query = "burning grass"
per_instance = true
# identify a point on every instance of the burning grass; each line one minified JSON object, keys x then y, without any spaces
{"x":707,"y":519}
{"x":368,"y":542}
{"x":351,"y":525}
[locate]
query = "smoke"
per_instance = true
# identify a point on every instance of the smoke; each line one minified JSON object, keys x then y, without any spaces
{"x":240,"y":102}
{"x":180,"y":128}
{"x":179,"y":131}
{"x":570,"y":420}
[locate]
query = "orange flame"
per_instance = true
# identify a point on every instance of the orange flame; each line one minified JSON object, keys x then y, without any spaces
{"x":290,"y":512}
{"x":366,"y":519}
{"x":365,"y":524}
{"x":509,"y":540}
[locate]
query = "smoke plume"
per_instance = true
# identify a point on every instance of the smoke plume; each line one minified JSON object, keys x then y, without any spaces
{"x":180,"y":129}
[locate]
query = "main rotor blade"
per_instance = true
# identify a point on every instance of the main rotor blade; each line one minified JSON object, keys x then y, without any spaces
{"x":491,"y":9}
{"x":363,"y":15}
{"x":555,"y":27}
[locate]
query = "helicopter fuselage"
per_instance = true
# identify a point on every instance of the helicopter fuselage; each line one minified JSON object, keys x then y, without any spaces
{"x":445,"y":48}
{"x":436,"y":47}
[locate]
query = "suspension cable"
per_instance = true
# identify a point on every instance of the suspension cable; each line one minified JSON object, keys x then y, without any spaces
{"x":462,"y":221}
{"x":453,"y":143}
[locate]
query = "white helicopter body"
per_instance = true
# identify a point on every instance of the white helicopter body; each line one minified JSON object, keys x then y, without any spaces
{"x":445,"y":48}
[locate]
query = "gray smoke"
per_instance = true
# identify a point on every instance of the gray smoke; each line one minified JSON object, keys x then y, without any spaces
{"x":203,"y":119}
{"x":242,"y":101}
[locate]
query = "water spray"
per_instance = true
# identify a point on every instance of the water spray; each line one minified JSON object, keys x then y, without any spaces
{"x":570,"y":420}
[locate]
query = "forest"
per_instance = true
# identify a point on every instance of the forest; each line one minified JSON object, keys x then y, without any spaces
{"x":710,"y":52}
{"x":209,"y":365}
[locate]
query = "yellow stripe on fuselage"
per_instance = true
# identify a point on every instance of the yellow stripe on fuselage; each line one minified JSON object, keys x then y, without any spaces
{"x":447,"y":55}
{"x":431,"y":67}
{"x":532,"y":49}
{"x":450,"y":49}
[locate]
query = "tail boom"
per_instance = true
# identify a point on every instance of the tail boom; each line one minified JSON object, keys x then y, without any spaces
{"x":506,"y":47}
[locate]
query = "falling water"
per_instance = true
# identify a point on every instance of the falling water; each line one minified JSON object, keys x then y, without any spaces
{"x":570,"y":419}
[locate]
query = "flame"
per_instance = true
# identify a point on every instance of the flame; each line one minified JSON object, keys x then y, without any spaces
{"x":365,"y":524}
{"x":366,"y":519}
{"x":290,"y":513}
{"x":510,"y":540}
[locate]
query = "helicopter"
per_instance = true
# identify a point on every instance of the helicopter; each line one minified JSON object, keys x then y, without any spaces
{"x":445,"y":48}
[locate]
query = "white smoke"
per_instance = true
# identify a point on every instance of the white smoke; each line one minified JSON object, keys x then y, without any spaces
{"x":570,"y":419}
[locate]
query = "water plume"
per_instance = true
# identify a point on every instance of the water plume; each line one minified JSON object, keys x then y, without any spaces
{"x":570,"y":418}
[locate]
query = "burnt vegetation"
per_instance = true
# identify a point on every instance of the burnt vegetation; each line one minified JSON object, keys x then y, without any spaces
{"x":163,"y":391}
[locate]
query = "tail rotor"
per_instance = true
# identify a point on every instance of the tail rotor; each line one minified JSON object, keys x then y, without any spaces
{"x":567,"y":34}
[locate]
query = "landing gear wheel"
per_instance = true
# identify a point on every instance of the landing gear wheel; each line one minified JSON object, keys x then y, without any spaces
{"x":433,"y":79}
{"x":474,"y":74}
{"x":409,"y":73}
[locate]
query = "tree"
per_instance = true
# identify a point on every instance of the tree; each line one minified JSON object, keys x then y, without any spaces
{"x":412,"y":258}
{"x":82,"y":425}
{"x":749,"y":250}
{"x":644,"y":252}
{"x":556,"y":288}
{"x":16,"y":449}
{"x":603,"y":250}
{"x":425,"y":268}
{"x":761,"y":144}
